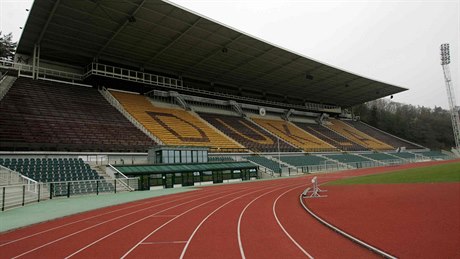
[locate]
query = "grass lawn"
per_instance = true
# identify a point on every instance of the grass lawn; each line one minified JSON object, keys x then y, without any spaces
{"x":431,"y":174}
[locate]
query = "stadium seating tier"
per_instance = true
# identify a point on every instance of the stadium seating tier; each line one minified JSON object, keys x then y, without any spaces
{"x":294,"y":135}
{"x":357,"y":136}
{"x":382,"y":136}
{"x":50,"y":116}
{"x":330,"y":137}
{"x":247,"y":133}
{"x":173,"y":126}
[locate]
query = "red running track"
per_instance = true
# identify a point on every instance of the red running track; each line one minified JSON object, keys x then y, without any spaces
{"x":250,"y":220}
{"x":407,"y":220}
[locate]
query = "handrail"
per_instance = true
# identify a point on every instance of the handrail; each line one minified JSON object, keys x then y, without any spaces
{"x":124,"y":177}
{"x":177,"y":84}
{"x":42,"y":72}
{"x":118,"y":171}
{"x":31,"y":183}
{"x":115,"y":103}
{"x":3,"y":76}
{"x":11,"y":173}
{"x":9,"y":81}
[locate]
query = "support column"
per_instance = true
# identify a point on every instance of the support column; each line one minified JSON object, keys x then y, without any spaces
{"x":35,"y":61}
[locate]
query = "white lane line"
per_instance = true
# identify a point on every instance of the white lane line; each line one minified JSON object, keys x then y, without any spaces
{"x":164,"y":242}
{"x":345,"y":234}
{"x":171,"y":220}
{"x":80,"y":220}
{"x":210,"y":214}
{"x":93,"y":226}
{"x":135,"y":222}
{"x":281,"y":225}
{"x":240,"y":242}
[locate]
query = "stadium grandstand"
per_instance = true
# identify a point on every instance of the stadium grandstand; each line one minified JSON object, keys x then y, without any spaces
{"x":97,"y":85}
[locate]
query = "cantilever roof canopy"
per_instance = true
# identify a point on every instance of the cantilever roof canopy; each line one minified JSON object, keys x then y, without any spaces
{"x":163,"y":37}
{"x":183,"y":168}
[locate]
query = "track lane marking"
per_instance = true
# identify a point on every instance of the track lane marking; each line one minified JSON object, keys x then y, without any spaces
{"x":84,"y":219}
{"x":281,"y":225}
{"x":240,"y":243}
{"x":171,"y":220}
{"x":93,"y":226}
{"x":163,"y":242}
{"x":210,"y":214}
{"x":135,"y":222}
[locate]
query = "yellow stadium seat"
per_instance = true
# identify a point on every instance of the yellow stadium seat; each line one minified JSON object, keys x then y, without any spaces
{"x":173,"y":126}
{"x":357,"y":136}
{"x":294,"y":135}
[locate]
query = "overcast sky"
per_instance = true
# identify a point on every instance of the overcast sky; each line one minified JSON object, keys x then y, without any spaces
{"x":396,"y":42}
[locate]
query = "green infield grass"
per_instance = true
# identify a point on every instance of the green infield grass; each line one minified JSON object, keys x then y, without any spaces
{"x":432,"y":174}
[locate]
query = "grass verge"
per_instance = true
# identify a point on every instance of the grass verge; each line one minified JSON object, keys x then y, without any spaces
{"x":431,"y":174}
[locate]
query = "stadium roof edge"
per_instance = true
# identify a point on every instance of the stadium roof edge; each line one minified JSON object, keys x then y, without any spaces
{"x":185,"y":43}
{"x":276,"y":45}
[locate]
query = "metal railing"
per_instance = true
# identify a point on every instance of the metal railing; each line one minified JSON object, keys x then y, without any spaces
{"x":6,"y":82}
{"x":11,"y":177}
{"x":330,"y":166}
{"x":177,"y":84}
{"x":115,"y":103}
{"x":25,"y":70}
{"x":131,"y":75}
{"x":17,"y":195}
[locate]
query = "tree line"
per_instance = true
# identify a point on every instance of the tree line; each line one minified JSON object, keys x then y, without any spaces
{"x":428,"y":127}
{"x":7,"y":46}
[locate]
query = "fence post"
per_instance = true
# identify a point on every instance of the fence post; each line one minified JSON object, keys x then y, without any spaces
{"x":3,"y":199}
{"x":23,"y":194}
{"x":38,"y":200}
{"x":115,"y":184}
{"x":97,"y":187}
{"x":51,"y":190}
{"x":68,"y":189}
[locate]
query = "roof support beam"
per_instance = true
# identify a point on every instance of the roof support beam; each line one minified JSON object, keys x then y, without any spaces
{"x":50,"y":17}
{"x":119,"y":29}
{"x":241,"y":64}
{"x":200,"y":39}
{"x":212,"y":54}
{"x":325,"y":79}
{"x":270,"y":71}
{"x":174,"y":41}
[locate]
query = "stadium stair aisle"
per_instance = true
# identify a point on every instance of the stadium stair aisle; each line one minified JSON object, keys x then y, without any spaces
{"x":173,"y":126}
{"x":357,"y":136}
{"x":294,"y":135}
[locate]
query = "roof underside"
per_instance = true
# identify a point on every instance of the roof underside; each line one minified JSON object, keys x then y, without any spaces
{"x":180,"y":168}
{"x":162,"y":37}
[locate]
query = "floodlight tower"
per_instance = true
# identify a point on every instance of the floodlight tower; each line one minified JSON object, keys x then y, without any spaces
{"x":445,"y":61}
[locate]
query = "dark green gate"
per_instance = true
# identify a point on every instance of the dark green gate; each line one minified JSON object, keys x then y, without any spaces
{"x":187,"y":179}
{"x":168,"y":180}
{"x":218,"y":177}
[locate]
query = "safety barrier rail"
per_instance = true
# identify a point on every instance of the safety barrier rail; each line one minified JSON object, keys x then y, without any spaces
{"x":177,"y":84}
{"x":12,"y":196}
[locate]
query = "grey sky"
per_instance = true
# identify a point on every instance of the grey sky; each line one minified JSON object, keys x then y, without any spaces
{"x":396,"y":42}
